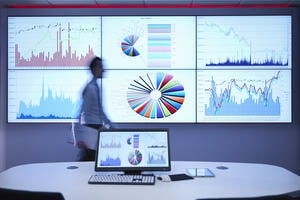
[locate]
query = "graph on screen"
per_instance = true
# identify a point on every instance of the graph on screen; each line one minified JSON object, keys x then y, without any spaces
{"x":132,"y":149}
{"x":244,"y":95}
{"x":159,"y":45}
{"x":149,"y":42}
{"x":244,"y":42}
{"x":127,"y":46}
{"x":50,"y":96}
{"x":53,"y":42}
{"x":149,"y":95}
{"x":158,"y":96}
{"x":110,"y":161}
{"x":157,"y":157}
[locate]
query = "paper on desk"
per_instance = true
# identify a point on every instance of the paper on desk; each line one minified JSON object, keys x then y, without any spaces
{"x":83,"y":136}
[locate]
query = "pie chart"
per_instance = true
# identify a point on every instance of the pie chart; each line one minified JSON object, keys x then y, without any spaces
{"x":156,"y":95}
{"x":135,"y":157}
{"x":127,"y":45}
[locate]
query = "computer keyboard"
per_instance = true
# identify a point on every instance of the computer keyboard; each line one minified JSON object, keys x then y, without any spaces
{"x":121,"y":179}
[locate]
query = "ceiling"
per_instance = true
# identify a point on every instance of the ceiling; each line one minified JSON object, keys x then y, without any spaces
{"x":99,"y":3}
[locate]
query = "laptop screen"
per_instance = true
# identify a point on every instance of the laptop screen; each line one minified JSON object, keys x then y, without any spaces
{"x":133,"y":150}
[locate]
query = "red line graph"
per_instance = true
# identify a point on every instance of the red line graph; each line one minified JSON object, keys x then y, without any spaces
{"x":58,"y":58}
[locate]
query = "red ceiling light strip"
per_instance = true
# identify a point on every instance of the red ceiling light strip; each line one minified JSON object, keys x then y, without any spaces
{"x":149,"y":6}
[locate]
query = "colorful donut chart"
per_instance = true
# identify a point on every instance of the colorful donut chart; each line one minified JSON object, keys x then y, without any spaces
{"x":156,"y":96}
{"x":135,"y":157}
{"x":127,"y":46}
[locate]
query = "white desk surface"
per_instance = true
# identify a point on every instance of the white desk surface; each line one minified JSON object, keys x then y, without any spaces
{"x":239,"y":180}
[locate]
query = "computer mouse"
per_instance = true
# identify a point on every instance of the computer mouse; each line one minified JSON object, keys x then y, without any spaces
{"x":164,"y":178}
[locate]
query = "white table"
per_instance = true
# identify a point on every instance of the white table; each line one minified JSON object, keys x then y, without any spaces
{"x":239,"y":180}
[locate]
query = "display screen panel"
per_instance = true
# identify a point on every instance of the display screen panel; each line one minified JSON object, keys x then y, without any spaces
{"x":150,"y":96}
{"x":47,"y":66}
{"x":244,"y":71}
{"x":45,"y":95}
{"x":244,"y":42}
{"x":52,"y":42}
{"x":157,"y":42}
{"x":158,"y":69}
{"x":133,"y":150}
{"x":244,"y":96}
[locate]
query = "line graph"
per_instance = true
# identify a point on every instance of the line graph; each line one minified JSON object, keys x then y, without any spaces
{"x":247,"y":41}
{"x":53,"y":42}
{"x":157,"y":158}
{"x":217,"y":101}
{"x":50,"y":107}
{"x":109,"y":161}
{"x":245,"y":94}
{"x":52,"y":96}
{"x":112,"y":144}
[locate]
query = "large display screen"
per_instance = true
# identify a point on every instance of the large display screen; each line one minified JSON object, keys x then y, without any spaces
{"x":159,"y":69}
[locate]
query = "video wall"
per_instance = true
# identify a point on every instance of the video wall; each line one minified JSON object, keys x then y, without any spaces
{"x":159,"y":69}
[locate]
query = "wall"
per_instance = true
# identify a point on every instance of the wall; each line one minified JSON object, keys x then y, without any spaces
{"x":276,"y":144}
{"x":2,"y":95}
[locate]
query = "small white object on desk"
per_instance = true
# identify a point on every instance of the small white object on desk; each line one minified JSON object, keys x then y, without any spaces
{"x":200,"y":172}
{"x":164,"y":178}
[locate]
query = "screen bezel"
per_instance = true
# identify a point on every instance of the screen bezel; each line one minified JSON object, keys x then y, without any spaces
{"x":134,"y":170}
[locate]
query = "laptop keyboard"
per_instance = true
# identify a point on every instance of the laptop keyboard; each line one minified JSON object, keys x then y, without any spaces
{"x":122,"y":179}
